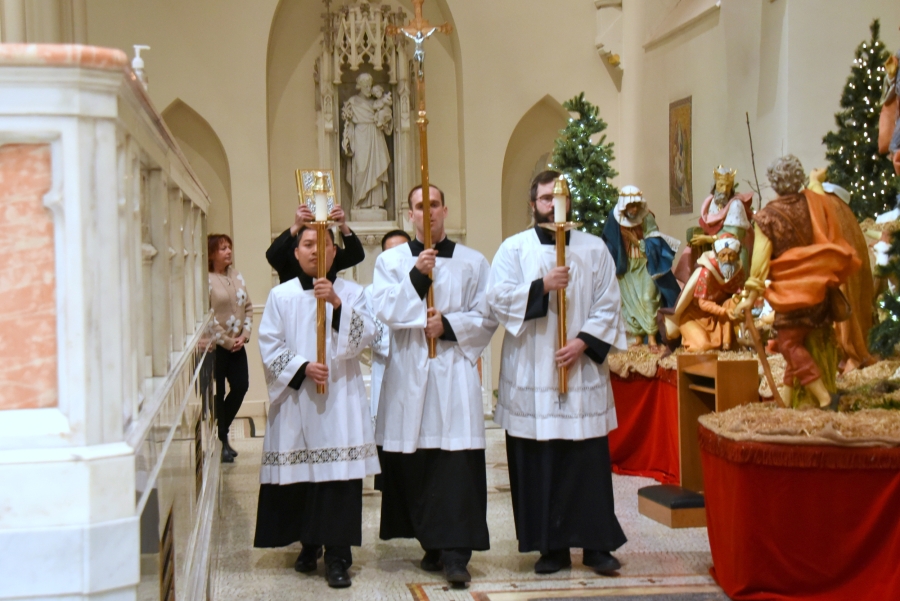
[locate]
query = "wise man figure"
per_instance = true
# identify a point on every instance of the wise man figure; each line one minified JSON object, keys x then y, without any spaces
{"x":724,"y":212}
{"x":364,"y":144}
{"x":799,"y":247}
{"x":643,"y":259}
{"x":859,"y":289}
{"x":704,"y":315}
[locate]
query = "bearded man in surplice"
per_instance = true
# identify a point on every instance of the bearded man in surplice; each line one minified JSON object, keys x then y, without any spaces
{"x":430,"y":421}
{"x":557,"y":446}
{"x":318,"y":447}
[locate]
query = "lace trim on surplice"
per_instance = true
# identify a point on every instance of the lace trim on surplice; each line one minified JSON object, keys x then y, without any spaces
{"x":318,"y":456}
{"x":273,"y":370}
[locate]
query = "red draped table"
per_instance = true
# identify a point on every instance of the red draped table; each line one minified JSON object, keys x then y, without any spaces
{"x":802,"y":522}
{"x":646,"y":441}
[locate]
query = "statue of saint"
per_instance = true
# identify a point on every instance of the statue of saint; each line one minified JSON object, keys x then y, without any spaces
{"x":724,"y":212}
{"x":643,"y":257}
{"x":367,"y":120}
{"x":800,"y":249}
{"x":704,"y":314}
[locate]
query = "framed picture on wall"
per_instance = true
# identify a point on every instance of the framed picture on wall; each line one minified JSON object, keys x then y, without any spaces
{"x":681,"y":199}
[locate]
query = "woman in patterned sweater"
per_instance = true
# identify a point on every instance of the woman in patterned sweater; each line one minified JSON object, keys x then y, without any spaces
{"x":232,"y":323}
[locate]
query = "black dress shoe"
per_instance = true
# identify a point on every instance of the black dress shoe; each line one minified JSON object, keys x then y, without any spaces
{"x":602,"y":562}
{"x":457,"y":574}
{"x":305,"y":564}
{"x":228,"y":448}
{"x":431,"y":562}
{"x":227,"y":457}
{"x":336,"y":574}
{"x":552,"y":562}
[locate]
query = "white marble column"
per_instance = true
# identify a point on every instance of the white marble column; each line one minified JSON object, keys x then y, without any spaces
{"x":84,"y":429}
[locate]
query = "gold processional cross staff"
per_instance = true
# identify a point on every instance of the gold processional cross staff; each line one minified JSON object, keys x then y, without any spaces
{"x":418,"y":30}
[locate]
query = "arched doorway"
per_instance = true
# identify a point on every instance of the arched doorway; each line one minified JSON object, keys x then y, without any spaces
{"x":206,"y":154}
{"x":527,"y":153}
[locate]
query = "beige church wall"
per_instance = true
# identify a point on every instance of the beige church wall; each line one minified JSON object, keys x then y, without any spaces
{"x":514,"y":53}
{"x":43,"y":21}
{"x":783,"y":62}
{"x":206,"y":155}
{"x":212,"y":55}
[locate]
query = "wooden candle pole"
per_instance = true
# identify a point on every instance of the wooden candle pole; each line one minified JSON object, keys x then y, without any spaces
{"x":321,"y":272}
{"x":418,"y":30}
{"x":560,"y":226}
{"x":562,"y":336}
{"x":320,"y":194}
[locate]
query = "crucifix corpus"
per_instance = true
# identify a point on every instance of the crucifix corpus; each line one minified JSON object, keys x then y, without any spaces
{"x":418,"y":30}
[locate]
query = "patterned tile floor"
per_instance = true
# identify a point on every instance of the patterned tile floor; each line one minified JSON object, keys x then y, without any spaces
{"x":658,"y":563}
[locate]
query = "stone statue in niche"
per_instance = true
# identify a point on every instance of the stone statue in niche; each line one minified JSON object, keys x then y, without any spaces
{"x":367,"y":120}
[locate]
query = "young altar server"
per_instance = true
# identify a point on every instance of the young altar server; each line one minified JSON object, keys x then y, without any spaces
{"x":556,"y":444}
{"x":318,"y":447}
{"x":430,"y":418}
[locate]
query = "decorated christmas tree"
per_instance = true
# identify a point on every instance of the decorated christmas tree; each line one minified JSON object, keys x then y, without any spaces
{"x":587,"y":165}
{"x":884,"y":338}
{"x":852,"y":150}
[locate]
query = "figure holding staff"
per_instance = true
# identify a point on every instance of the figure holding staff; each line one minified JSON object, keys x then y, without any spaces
{"x":430,"y":421}
{"x":319,"y":444}
{"x":556,"y":442}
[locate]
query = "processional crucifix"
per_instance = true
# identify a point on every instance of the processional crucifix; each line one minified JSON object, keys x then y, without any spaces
{"x":418,"y":30}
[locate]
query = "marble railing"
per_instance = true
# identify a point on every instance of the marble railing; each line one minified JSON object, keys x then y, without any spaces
{"x":108,"y":462}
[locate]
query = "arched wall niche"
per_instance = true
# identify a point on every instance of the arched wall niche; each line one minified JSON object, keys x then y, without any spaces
{"x":204,"y":151}
{"x":527,"y":154}
{"x":295,"y":43}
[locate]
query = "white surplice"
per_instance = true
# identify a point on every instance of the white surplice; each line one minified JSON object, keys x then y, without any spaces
{"x":381,"y":349}
{"x":432,"y":403}
{"x":529,"y":404}
{"x":313,"y":437}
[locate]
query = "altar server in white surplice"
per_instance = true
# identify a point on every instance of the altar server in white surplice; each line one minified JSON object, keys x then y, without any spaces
{"x":318,"y":447}
{"x":556,"y":444}
{"x":430,"y":421}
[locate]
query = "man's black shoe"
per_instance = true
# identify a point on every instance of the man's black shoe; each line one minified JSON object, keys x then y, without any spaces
{"x":228,"y":448}
{"x":602,"y":562}
{"x":336,"y":574}
{"x":431,"y":562}
{"x":553,"y":562}
{"x":457,"y":574}
{"x":308,"y":559}
{"x":226,"y":456}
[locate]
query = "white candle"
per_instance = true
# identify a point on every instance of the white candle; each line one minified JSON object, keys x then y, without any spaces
{"x":321,"y":207}
{"x":559,"y":209}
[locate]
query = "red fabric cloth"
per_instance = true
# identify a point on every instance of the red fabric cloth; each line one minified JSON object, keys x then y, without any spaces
{"x":646,"y":441}
{"x":813,"y":523}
